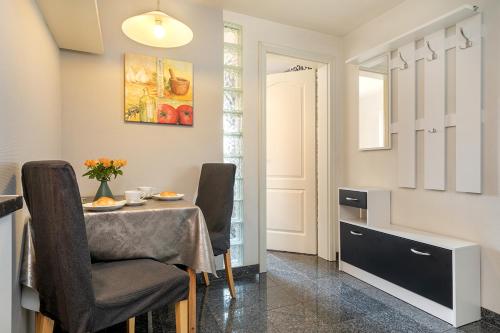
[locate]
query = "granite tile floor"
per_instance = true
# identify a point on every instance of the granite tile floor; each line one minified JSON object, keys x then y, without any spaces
{"x":302,"y":293}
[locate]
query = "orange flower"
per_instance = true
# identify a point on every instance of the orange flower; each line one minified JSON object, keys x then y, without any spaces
{"x":90,"y":163}
{"x":106,"y":162}
{"x":120,"y":163}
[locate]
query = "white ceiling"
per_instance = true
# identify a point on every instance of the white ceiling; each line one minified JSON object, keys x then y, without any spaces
{"x":334,"y":17}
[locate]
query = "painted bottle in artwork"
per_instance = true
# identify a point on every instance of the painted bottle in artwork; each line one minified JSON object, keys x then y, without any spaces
{"x":148,"y":107}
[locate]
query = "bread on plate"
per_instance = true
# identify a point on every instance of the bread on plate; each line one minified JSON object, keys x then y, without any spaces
{"x":104,"y":201}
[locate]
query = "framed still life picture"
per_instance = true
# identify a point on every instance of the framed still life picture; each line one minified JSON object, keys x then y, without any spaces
{"x":158,"y":91}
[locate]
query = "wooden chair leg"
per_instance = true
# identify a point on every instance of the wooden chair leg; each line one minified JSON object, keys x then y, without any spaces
{"x":181,"y":317}
{"x":205,"y":277}
{"x":229,"y":273}
{"x":131,"y":325}
{"x":43,"y":324}
{"x":192,"y":301}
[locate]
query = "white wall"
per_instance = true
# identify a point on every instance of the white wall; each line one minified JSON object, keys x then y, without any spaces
{"x":30,"y":114}
{"x":164,"y":156}
{"x":257,"y":30}
{"x":467,"y":216}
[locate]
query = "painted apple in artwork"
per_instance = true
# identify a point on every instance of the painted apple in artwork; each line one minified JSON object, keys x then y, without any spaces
{"x":167,"y":114}
{"x":185,"y":114}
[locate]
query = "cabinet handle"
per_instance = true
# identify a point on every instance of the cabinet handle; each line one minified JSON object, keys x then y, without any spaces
{"x":420,"y":253}
{"x":351,"y":199}
{"x":356,"y":233}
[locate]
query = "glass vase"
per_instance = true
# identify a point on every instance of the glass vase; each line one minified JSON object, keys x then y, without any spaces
{"x":103,"y":191}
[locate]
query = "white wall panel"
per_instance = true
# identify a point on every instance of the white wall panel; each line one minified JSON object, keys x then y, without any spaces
{"x":406,"y":118}
{"x":434,"y":111}
{"x":468,"y":106}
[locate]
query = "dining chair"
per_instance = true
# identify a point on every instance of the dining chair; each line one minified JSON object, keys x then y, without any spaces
{"x":81,"y":296}
{"x":215,"y":199}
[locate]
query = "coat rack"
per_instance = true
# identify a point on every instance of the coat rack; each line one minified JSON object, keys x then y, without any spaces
{"x":405,"y":64}
{"x":433,"y":53}
{"x":467,"y":116}
{"x":468,"y":42}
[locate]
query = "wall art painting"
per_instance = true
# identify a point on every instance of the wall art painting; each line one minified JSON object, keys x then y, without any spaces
{"x":158,"y":90}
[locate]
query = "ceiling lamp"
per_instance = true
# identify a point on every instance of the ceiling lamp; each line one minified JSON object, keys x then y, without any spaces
{"x":157,"y":29}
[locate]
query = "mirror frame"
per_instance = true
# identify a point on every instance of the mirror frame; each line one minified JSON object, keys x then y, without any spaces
{"x":389,"y":103}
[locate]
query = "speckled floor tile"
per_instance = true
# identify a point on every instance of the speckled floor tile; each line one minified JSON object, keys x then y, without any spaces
{"x":294,"y":318}
{"x":362,"y":301}
{"x":333,"y":285}
{"x":352,"y":281}
{"x":359,"y":325}
{"x":333,"y":311}
{"x":490,"y":317}
{"x":287,"y":274}
{"x":433,"y":323}
{"x":395,"y":322}
{"x":248,"y":322}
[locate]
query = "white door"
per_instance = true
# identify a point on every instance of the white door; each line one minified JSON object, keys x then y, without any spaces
{"x":291,"y":162}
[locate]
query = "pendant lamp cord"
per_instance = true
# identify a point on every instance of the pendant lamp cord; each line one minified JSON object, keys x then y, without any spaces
{"x":158,"y":5}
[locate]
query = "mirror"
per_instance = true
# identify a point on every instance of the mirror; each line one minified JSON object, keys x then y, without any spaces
{"x":373,"y":104}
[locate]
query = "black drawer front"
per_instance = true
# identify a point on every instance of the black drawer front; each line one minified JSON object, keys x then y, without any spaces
{"x":421,"y":268}
{"x":352,"y":198}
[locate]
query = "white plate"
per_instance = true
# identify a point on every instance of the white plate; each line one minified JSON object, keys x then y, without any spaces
{"x":178,"y":196}
{"x":117,"y":205}
{"x":136,"y":203}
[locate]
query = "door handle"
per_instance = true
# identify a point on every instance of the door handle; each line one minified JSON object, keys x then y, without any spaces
{"x":420,"y":253}
{"x":351,"y":199}
{"x":356,"y":233}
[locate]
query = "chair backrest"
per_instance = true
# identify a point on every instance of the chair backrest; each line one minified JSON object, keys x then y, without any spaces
{"x":215,"y":198}
{"x":63,"y":267}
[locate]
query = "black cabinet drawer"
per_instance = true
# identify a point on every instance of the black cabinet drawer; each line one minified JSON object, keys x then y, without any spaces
{"x":353,"y":198}
{"x":421,"y":268}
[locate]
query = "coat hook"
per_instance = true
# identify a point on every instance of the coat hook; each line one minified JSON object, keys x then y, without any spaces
{"x":405,"y":64}
{"x":432,"y":131}
{"x":468,"y":42}
{"x":433,"y":53}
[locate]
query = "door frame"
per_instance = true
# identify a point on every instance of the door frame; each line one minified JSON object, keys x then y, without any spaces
{"x":326,"y":150}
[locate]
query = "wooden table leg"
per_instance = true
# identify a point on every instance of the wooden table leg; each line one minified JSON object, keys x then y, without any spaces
{"x":192,"y":301}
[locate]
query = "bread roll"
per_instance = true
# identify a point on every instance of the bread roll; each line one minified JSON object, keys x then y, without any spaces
{"x":168,"y":194}
{"x":103,"y":201}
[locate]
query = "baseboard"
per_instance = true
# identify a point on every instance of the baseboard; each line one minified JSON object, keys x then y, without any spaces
{"x":238,"y":272}
{"x":490,"y":317}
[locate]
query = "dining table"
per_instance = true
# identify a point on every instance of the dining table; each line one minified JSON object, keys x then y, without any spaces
{"x":171,"y":232}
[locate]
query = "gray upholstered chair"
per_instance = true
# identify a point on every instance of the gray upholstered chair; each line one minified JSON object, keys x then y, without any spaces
{"x":79,"y":295}
{"x":215,"y":198}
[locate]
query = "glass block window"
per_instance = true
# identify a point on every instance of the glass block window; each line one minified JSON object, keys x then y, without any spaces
{"x":233,"y":131}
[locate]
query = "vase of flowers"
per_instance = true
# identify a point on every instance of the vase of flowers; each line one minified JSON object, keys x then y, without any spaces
{"x":102,"y":170}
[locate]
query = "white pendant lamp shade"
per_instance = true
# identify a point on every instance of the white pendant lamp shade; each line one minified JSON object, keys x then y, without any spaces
{"x":157,"y":29}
